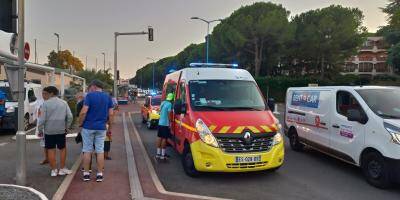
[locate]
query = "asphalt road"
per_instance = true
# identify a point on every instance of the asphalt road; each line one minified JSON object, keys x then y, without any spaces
{"x":306,"y":175}
{"x":38,"y":176}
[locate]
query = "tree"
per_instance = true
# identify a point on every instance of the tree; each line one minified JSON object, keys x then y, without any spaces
{"x":325,"y":37}
{"x":105,"y":77}
{"x":257,"y":30}
{"x":64,"y":59}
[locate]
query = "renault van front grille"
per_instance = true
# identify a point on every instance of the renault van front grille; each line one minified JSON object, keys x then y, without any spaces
{"x":235,"y":143}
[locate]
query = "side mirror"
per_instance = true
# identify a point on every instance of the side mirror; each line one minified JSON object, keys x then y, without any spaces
{"x":355,"y":115}
{"x":179,"y":107}
{"x":271,"y":104}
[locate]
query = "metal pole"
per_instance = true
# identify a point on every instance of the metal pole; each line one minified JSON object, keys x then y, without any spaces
{"x":21,"y":135}
{"x":104,"y":61}
{"x":153,"y":75}
{"x":36,"y":61}
{"x":86,"y":63}
{"x":115,"y":65}
{"x":207,"y":39}
{"x":62,"y":86}
{"x":96,"y":64}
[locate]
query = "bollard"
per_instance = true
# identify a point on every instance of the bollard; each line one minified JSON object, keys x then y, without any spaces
{"x":276,"y":110}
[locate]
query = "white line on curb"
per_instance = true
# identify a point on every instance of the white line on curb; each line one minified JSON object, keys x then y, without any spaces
{"x":134,"y":182}
{"x":153,"y":173}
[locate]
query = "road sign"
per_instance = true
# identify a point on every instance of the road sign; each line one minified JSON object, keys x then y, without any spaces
{"x":151,"y":33}
{"x":27,"y":51}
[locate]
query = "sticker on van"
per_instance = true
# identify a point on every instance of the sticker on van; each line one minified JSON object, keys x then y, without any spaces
{"x":306,"y":99}
{"x":346,"y":131}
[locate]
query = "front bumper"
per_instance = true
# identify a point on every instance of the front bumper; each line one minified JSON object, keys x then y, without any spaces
{"x":211,"y":159}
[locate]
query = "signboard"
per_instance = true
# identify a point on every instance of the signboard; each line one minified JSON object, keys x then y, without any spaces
{"x":306,"y":99}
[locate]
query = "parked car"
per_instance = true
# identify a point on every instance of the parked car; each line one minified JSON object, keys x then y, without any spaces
{"x":358,"y":125}
{"x":151,"y":111}
{"x":33,"y":99}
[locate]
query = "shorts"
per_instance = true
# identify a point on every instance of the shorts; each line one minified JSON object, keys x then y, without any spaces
{"x":163,"y":132}
{"x":93,"y":140}
{"x":53,"y":141}
{"x":107,"y":146}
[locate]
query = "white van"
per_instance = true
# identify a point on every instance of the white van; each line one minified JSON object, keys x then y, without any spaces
{"x":33,"y":99}
{"x":359,"y":125}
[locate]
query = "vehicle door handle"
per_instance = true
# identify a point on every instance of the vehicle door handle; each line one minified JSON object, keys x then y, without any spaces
{"x":335,"y":126}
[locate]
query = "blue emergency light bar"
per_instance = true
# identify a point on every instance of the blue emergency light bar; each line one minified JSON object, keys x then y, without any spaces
{"x":213,"y":65}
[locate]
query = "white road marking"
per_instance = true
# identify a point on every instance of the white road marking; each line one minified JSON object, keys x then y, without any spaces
{"x":3,"y":144}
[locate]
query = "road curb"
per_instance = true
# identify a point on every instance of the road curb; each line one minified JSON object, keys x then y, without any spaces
{"x":39,"y":194}
{"x":59,"y":195}
{"x":160,"y":188}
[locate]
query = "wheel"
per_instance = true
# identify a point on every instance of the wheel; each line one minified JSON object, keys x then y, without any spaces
{"x":149,"y":125}
{"x":188,"y":163}
{"x":26,"y":122}
{"x":294,"y":141}
{"x":376,"y":170}
{"x":143,"y":120}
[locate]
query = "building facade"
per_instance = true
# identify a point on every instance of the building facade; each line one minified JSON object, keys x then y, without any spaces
{"x":370,"y":60}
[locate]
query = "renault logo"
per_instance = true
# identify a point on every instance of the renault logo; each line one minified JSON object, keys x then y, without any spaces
{"x":247,"y":137}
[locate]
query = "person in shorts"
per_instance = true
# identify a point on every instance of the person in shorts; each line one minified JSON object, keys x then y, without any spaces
{"x":55,"y":118}
{"x":96,"y":112}
{"x":163,"y":126}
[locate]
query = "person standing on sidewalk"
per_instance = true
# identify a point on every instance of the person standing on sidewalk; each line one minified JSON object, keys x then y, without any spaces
{"x":54,"y":120}
{"x":163,"y":126}
{"x":97,"y":108}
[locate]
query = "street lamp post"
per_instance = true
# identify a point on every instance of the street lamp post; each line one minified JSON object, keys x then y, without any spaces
{"x":116,"y":34}
{"x":58,"y":41}
{"x":104,"y":61}
{"x":154,"y":63}
{"x":208,"y":32}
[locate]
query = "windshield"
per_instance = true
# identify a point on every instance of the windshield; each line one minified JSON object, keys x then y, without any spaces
{"x":155,"y":101}
{"x":383,"y":102}
{"x":225,"y":95}
{"x":7,"y":92}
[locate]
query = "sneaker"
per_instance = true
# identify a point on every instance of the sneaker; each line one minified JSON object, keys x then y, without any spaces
{"x":53,"y":173}
{"x":83,"y":170}
{"x":99,"y":178}
{"x":163,"y":158}
{"x":158,"y":156}
{"x":64,"y":171}
{"x":86,"y":177}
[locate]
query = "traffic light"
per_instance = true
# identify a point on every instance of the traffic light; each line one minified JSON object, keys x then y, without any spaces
{"x":117,"y":74}
{"x":151,"y":34}
{"x":7,"y":16}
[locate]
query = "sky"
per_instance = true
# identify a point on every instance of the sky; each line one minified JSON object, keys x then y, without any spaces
{"x":87,"y":27}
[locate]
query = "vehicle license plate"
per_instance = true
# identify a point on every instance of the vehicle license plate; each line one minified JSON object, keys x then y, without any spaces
{"x":247,"y":159}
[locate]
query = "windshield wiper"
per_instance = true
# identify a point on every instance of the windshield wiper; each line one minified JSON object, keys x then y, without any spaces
{"x":211,"y":107}
{"x":389,"y":116}
{"x":243,"y":108}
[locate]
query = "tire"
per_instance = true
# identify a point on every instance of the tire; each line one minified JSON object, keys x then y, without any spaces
{"x":376,"y":170}
{"x":143,"y":120}
{"x":26,"y":122}
{"x":149,"y":125}
{"x":294,"y":141}
{"x":188,"y":163}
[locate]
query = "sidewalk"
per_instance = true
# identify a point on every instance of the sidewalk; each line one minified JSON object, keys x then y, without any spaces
{"x":116,"y":177}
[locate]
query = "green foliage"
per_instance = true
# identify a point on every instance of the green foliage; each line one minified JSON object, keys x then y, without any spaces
{"x":64,"y":59}
{"x":394,"y":56}
{"x":105,"y":77}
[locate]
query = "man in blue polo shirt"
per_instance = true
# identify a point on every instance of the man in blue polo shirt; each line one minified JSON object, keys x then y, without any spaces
{"x":96,"y":112}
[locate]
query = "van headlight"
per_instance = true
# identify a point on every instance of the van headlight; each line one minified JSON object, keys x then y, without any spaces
{"x":277,"y":139}
{"x":10,"y":110}
{"x":205,"y":134}
{"x":394,"y":131}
